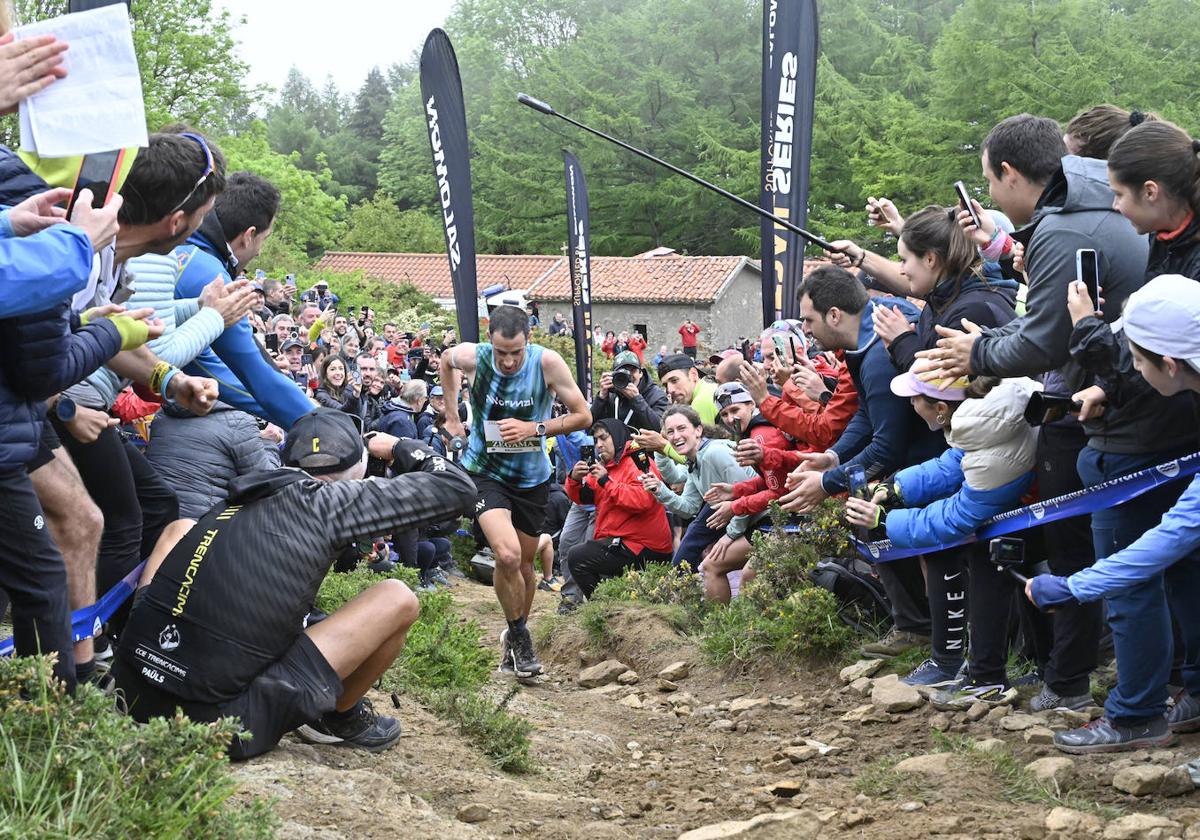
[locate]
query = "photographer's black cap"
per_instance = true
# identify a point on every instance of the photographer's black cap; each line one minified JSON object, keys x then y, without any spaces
{"x":324,"y":441}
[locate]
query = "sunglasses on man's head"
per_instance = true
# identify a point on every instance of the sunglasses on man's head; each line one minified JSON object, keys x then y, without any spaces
{"x":209,"y":166}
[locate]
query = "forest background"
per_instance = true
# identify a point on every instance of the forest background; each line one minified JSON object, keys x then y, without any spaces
{"x":906,"y":91}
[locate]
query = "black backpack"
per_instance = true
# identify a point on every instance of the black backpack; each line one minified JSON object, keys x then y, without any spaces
{"x":862,"y":601}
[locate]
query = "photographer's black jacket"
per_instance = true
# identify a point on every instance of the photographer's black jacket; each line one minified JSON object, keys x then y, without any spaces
{"x":645,"y":412}
{"x":231,"y":597}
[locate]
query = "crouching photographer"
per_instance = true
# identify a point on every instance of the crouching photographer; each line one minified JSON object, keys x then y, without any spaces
{"x":217,"y":627}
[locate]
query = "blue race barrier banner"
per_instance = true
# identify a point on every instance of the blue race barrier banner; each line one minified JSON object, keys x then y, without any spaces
{"x":1089,"y":500}
{"x":87,"y":622}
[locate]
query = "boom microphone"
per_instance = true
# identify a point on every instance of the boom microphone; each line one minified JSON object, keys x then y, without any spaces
{"x":542,"y":107}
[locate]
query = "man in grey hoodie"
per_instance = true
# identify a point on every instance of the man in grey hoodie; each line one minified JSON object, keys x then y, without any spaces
{"x":1060,"y":203}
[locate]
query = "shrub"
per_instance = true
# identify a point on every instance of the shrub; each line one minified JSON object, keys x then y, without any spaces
{"x":499,"y":734}
{"x":340,"y":587}
{"x":805,"y":626}
{"x":73,"y":767}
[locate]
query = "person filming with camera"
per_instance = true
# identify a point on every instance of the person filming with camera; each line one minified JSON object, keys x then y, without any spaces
{"x":629,"y":395}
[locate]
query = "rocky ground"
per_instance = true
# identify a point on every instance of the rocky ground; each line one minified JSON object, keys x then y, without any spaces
{"x":645,"y":740}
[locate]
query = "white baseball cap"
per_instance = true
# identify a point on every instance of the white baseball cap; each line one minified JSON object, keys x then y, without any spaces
{"x":1164,"y":317}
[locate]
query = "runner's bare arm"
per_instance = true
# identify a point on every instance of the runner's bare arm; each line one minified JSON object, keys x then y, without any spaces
{"x":457,"y":362}
{"x":562,"y":383}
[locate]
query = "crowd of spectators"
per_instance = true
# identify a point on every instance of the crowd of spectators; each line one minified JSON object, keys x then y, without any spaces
{"x":911,"y":385}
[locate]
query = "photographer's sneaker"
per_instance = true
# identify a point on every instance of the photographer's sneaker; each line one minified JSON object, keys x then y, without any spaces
{"x":962,"y":697}
{"x":1048,"y":700}
{"x":894,"y":643}
{"x":360,"y":726}
{"x":525,"y":663}
{"x":1184,"y":716}
{"x":506,"y":664}
{"x":929,"y":673}
{"x":1102,"y":735}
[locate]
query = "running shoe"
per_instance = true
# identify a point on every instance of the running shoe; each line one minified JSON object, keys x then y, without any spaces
{"x":962,"y":697}
{"x":524,"y":659}
{"x":360,"y":727}
{"x":506,"y":665}
{"x":931,"y":674}
{"x":547,"y":585}
{"x":1048,"y":700}
{"x":1184,"y":716}
{"x":1102,"y":735}
{"x":894,"y":643}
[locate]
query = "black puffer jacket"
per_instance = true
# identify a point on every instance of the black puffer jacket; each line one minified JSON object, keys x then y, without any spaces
{"x":201,"y":456}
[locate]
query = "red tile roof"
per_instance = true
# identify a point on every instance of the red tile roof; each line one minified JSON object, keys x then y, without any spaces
{"x":431,"y":272}
{"x":659,"y":276}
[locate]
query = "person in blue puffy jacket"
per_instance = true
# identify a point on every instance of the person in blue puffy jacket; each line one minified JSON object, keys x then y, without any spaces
{"x":986,"y":471}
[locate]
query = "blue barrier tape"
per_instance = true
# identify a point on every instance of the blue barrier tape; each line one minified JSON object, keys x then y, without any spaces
{"x":87,"y":622}
{"x":1109,"y":494}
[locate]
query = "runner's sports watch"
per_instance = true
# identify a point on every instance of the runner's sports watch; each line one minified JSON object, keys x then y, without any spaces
{"x":539,"y":429}
{"x":64,"y":409}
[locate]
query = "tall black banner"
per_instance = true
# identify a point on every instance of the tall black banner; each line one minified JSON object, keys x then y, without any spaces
{"x":446,"y":119}
{"x":580,"y":243}
{"x":789,"y":77}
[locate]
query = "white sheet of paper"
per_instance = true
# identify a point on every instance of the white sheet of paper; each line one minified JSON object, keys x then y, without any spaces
{"x":98,"y":106}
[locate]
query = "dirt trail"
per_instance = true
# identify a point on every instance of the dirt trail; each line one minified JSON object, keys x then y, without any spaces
{"x":609,"y":770}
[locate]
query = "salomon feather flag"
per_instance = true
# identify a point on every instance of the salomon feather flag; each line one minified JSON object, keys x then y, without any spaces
{"x":789,"y":76}
{"x":446,"y":121}
{"x":579,"y":242}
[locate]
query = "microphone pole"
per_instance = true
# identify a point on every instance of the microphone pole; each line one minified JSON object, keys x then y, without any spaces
{"x":538,"y":105}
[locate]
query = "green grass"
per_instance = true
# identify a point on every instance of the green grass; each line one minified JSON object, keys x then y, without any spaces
{"x":72,"y":767}
{"x":1018,"y":784}
{"x":880,"y":779}
{"x":445,"y":668}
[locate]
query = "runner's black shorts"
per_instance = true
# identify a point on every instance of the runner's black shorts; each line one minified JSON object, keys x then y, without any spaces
{"x":297,"y":689}
{"x":526,"y":504}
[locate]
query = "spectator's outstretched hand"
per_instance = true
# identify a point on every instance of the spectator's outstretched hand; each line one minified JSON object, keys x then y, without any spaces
{"x":981,"y":236}
{"x":806,"y":494}
{"x":1079,"y":302}
{"x":88,"y":423}
{"x":195,"y":393}
{"x":952,"y":356}
{"x":756,"y":384}
{"x":99,"y":225}
{"x":234,"y":302}
{"x":38,"y":212}
{"x":846,"y":254}
{"x":882,"y":213}
{"x":27,"y":67}
{"x":719,"y":492}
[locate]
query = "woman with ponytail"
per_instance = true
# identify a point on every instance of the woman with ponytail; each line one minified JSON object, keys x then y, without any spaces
{"x":1093,"y":132}
{"x":941,"y":266}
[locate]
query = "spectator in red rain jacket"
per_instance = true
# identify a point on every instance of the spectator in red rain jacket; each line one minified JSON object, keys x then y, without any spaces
{"x":687,"y":337}
{"x":631,"y":525}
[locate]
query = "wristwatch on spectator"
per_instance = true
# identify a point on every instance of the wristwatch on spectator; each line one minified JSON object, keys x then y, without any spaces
{"x":824,"y":397}
{"x":539,"y":429}
{"x":64,"y":409}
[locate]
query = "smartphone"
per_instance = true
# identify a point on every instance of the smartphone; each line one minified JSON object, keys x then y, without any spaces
{"x":1043,"y":408}
{"x":1087,"y":272}
{"x":1008,"y":555}
{"x":965,"y":200}
{"x":306,"y":359}
{"x":97,"y":173}
{"x":294,"y":332}
{"x":357,"y":377}
{"x":782,"y":350}
{"x":272,"y":342}
{"x":587,"y":453}
{"x":642,"y":458}
{"x":858,"y":481}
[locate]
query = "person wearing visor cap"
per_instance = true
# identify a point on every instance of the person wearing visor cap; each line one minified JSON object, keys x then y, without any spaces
{"x":1161,"y":324}
{"x":986,"y":471}
{"x":754,"y":435}
{"x":684,"y":385}
{"x":217,"y":627}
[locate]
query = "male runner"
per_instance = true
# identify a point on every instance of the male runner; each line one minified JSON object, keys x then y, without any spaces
{"x":513,"y":385}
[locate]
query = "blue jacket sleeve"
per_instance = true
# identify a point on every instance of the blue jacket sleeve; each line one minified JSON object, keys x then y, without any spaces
{"x":48,"y":352}
{"x":936,"y":478}
{"x":247,"y":379}
{"x":38,"y":271}
{"x":891,"y":424}
{"x":951,"y":519}
{"x":1176,"y":537}
{"x":855,"y":436}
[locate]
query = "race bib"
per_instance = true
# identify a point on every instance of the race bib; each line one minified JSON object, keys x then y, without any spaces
{"x":497,"y":446}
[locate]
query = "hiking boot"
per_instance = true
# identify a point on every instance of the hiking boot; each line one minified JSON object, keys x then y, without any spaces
{"x":506,"y":665}
{"x":894,"y":643}
{"x":568,"y":606}
{"x":931,"y":674}
{"x":959,"y":698}
{"x":1102,"y":735}
{"x":521,"y":655}
{"x":360,"y":727}
{"x":1184,"y":716}
{"x":1048,"y":700}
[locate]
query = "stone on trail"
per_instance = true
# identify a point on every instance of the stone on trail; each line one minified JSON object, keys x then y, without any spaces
{"x":891,"y":695}
{"x":675,"y":671}
{"x":745,"y":704}
{"x":602,"y":673}
{"x":628,"y":678}
{"x":786,"y":825}
{"x":1140,"y":779}
{"x":799,"y":754}
{"x":1038,"y":735}
{"x":786,"y":788}
{"x":861,"y":668}
{"x":867,"y":713}
{"x":632,"y":701}
{"x":1070,"y":822}
{"x":861,"y":686}
{"x":978,"y":711}
{"x":1057,"y":770}
{"x":1019,"y":722}
{"x":909,"y":807}
{"x":933,"y":764}
{"x":1177,"y":782}
{"x":989,"y":745}
{"x":667,"y":685}
{"x":1142,"y":827}
{"x":473,"y":813}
